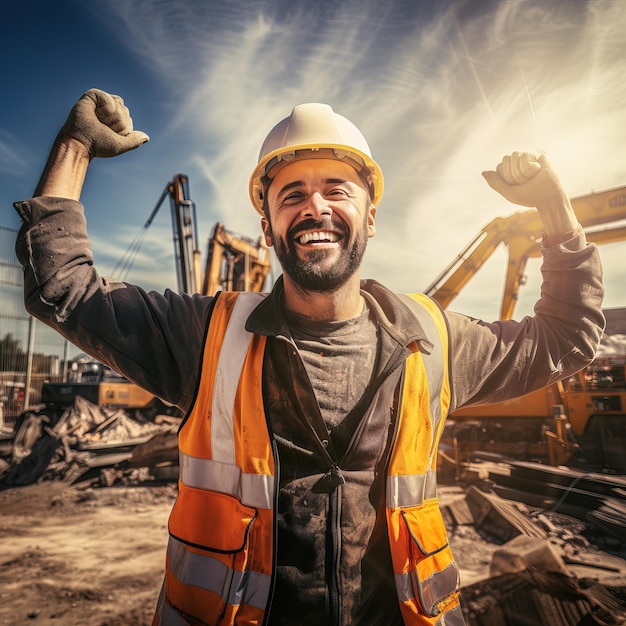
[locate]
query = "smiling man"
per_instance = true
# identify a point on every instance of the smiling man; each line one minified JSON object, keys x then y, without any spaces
{"x":307,"y":490}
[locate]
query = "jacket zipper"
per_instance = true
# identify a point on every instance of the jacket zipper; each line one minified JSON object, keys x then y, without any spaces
{"x":334,"y":551}
{"x":391,"y":366}
{"x":333,"y":543}
{"x":335,"y":609}
{"x":270,"y":597}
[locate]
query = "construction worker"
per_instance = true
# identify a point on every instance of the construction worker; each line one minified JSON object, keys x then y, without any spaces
{"x":307,"y":490}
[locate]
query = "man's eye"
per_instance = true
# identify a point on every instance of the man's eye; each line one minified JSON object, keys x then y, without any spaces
{"x":293,"y":197}
{"x":337,"y":192}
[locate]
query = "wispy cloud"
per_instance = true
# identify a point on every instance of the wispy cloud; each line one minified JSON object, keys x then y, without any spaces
{"x":11,"y":157}
{"x":441,"y":93}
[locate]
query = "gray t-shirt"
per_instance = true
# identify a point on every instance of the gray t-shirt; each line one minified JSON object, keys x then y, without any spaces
{"x":339,"y":358}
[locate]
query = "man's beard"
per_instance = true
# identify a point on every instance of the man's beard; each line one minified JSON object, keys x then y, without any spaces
{"x":313,"y":274}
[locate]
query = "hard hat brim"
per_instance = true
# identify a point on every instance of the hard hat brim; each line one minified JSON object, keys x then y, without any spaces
{"x":365,"y":166}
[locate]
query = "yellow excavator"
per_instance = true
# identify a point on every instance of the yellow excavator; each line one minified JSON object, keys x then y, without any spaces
{"x":234,"y":262}
{"x":581,"y":417}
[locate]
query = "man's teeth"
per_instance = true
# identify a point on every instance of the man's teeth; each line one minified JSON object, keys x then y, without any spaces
{"x":318,"y":236}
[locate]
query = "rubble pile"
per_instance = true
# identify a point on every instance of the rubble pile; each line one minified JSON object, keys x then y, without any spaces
{"x":588,"y":496}
{"x":543,"y":567}
{"x":82,"y":440}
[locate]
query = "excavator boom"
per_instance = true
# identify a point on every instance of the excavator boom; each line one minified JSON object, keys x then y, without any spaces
{"x":522,"y":233}
{"x":235,"y":263}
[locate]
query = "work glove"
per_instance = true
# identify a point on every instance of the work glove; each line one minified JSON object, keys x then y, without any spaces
{"x":527,"y":179}
{"x":102,"y":123}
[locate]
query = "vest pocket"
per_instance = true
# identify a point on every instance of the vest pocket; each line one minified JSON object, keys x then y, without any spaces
{"x":211,"y":521}
{"x":207,"y":575}
{"x":434,"y":574}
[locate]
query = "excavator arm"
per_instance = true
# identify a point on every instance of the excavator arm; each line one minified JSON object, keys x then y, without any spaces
{"x":521,"y":233}
{"x":235,"y":263}
{"x":517,"y":428}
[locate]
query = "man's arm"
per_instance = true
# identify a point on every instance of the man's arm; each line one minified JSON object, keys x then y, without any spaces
{"x":65,"y":171}
{"x":496,"y":361}
{"x":134,"y":332}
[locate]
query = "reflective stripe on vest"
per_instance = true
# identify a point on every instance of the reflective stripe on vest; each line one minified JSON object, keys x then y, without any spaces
{"x":203,"y":572}
{"x":229,"y":365}
{"x":427,"y":578}
{"x":220,"y":472}
{"x":255,"y":490}
{"x":405,"y":487}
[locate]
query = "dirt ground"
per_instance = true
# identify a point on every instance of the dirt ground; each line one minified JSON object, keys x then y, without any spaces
{"x":77,"y":555}
{"x":73,"y":556}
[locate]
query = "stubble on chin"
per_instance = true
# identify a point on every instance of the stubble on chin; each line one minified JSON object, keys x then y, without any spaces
{"x":317,"y":272}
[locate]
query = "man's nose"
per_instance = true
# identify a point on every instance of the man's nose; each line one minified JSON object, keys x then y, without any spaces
{"x":316,"y":205}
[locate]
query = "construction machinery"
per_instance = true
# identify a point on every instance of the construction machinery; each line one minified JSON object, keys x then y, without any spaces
{"x":97,"y":383}
{"x":234,"y":262}
{"x":583,"y":418}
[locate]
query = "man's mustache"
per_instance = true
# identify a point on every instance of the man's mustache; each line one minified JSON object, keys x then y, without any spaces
{"x":326,"y":223}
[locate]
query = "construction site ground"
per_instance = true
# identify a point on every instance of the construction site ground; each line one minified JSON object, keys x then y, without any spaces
{"x":92,"y":553}
{"x":75,"y":555}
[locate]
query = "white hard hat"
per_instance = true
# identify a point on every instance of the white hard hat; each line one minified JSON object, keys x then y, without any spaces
{"x":315,"y":131}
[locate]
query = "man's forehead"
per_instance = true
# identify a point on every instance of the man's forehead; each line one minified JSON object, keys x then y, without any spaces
{"x":319,"y":170}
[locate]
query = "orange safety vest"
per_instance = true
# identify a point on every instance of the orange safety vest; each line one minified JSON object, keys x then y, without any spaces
{"x":220,"y":553}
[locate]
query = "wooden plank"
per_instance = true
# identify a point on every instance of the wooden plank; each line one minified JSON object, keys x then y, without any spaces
{"x":500,"y":518}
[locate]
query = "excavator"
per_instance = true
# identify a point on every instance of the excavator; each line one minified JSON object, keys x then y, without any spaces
{"x":234,"y":262}
{"x":580,"y":420}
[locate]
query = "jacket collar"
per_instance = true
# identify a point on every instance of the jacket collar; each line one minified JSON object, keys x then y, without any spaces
{"x":391,"y":313}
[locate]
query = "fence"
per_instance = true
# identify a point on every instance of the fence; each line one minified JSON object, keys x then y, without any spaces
{"x":30,"y":353}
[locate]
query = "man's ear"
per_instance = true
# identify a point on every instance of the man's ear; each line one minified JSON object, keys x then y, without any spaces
{"x":371,"y":221}
{"x":267,"y":232}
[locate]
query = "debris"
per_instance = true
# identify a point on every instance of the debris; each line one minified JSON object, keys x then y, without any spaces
{"x":596,"y":498}
{"x":501,"y":519}
{"x":522,"y":553}
{"x":543,"y":569}
{"x":542,"y":599}
{"x":76,"y":443}
{"x":158,"y":450}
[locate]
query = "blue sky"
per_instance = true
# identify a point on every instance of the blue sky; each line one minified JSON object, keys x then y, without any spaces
{"x":441,"y":90}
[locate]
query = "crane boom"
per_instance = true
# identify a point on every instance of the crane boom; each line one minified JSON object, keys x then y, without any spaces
{"x":185,"y":235}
